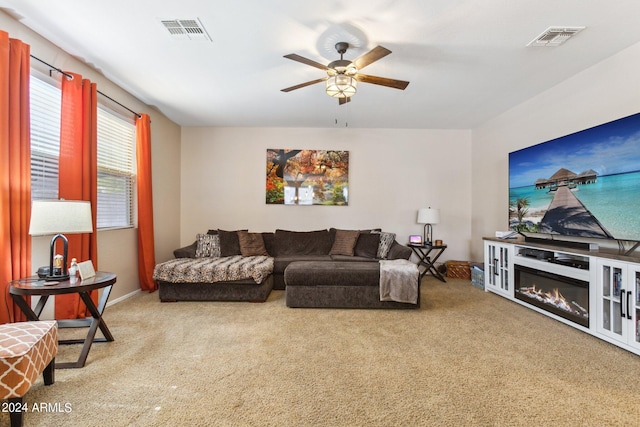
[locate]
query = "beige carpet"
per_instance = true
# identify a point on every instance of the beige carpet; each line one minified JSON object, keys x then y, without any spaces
{"x":466,"y":358}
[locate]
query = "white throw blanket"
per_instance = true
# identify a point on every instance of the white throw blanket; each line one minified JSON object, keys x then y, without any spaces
{"x":399,"y":281}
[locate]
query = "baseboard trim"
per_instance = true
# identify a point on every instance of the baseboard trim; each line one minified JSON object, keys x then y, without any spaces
{"x":124,"y":297}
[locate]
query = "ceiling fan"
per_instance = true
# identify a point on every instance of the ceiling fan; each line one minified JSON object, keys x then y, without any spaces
{"x":343,"y":75}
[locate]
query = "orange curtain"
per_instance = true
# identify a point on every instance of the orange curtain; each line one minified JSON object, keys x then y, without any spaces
{"x":78,"y":175}
{"x":15,"y":170}
{"x":146,"y":250}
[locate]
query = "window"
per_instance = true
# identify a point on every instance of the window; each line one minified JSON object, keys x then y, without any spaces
{"x":116,"y":168}
{"x":116,"y":177}
{"x":45,"y":139}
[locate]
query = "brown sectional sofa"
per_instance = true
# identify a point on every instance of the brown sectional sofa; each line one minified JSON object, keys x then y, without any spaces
{"x":359,"y":284}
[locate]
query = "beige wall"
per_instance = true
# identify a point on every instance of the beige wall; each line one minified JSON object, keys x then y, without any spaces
{"x":604,"y":92}
{"x":117,"y":249}
{"x":392,"y":173}
{"x":214,"y":177}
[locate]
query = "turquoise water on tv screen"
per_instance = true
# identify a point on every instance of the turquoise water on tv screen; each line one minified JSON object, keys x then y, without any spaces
{"x":614,"y":200}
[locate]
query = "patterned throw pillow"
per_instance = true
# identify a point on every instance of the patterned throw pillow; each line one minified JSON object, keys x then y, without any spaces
{"x":207,"y":245}
{"x":345,"y":242}
{"x":386,"y":240}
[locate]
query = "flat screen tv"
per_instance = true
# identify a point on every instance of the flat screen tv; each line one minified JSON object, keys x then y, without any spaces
{"x":582,"y":185}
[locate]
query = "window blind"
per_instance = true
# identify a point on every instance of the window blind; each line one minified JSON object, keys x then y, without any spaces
{"x":45,"y":139}
{"x":116,"y":171}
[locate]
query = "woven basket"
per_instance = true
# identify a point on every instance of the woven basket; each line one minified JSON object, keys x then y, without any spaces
{"x":459,"y":270}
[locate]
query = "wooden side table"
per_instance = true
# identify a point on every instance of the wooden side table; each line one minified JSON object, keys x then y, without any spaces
{"x":427,"y":260}
{"x":32,"y":286}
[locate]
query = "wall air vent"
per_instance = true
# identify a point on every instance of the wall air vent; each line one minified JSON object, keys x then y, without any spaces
{"x":186,"y":29}
{"x":555,"y":36}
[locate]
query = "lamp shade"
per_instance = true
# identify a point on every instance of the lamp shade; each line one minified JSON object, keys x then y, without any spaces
{"x":60,"y":216}
{"x":428,"y":216}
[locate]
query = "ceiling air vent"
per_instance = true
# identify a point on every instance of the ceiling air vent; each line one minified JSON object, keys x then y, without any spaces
{"x":186,"y":29}
{"x":555,"y":36}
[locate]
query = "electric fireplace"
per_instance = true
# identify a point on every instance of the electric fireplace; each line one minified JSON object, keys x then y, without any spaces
{"x":563,"y":296}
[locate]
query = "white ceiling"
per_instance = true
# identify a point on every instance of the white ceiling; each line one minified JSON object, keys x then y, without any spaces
{"x":467,"y":60}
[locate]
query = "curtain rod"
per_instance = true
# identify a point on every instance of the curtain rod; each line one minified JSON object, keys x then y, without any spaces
{"x":71,"y":77}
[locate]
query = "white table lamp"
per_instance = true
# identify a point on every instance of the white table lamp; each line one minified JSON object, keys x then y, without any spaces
{"x":428,"y":217}
{"x":57,"y":217}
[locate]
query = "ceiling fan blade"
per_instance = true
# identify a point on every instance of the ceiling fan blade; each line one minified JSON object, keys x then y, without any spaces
{"x":312,"y":82}
{"x":373,"y":55}
{"x":383,"y":81}
{"x":296,"y":57}
{"x":343,"y":100}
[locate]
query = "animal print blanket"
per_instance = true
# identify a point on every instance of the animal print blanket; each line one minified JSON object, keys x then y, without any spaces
{"x":208,"y":270}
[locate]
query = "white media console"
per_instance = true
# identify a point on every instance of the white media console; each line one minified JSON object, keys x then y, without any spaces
{"x":597,"y":292}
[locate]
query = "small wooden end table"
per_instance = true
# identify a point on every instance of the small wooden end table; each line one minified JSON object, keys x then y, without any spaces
{"x":427,"y":260}
{"x":32,"y":286}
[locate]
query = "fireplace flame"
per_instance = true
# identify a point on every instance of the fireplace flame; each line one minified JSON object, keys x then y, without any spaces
{"x":554,"y":298}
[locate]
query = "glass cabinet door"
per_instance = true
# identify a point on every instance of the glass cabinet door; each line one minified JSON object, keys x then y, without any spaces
{"x":504,"y":269}
{"x":619,"y":301}
{"x":635,"y":308}
{"x":490,"y":265}
{"x":498,"y":274}
{"x":612,"y":321}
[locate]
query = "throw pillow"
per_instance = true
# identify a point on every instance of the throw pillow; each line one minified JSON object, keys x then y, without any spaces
{"x":251,"y":244}
{"x":302,"y":242}
{"x":229,"y":243}
{"x":186,"y":251}
{"x":344,"y":242}
{"x":269,"y":242}
{"x":367,"y":245}
{"x":386,"y":240}
{"x":207,"y":245}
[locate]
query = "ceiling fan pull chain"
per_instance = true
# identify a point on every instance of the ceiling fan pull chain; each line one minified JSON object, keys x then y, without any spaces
{"x":346,"y":120}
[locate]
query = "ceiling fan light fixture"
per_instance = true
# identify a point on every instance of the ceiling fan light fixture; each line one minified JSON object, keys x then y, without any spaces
{"x":343,"y":75}
{"x":341,"y":86}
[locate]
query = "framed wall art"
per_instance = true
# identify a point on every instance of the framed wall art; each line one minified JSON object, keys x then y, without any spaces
{"x":307,"y":177}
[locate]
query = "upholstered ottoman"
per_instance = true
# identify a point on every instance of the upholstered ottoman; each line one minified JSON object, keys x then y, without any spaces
{"x":343,"y":284}
{"x":26,"y":350}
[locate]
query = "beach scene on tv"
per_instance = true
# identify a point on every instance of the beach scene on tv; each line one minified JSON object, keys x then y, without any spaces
{"x":586,"y":184}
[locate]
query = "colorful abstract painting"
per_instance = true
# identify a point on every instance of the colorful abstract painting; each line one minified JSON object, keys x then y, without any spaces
{"x":307,"y":177}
